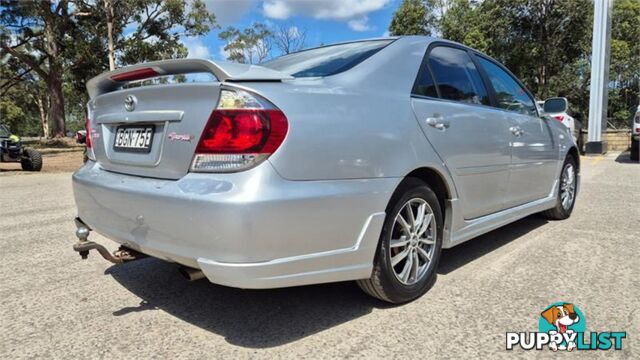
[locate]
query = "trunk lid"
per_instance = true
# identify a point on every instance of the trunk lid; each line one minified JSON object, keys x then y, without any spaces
{"x":177,"y":113}
{"x":174,"y":115}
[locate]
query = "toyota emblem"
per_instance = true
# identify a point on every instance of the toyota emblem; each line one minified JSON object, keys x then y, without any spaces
{"x":130,"y":102}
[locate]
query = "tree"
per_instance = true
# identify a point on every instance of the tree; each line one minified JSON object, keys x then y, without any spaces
{"x":19,"y":110}
{"x":39,"y":29}
{"x":467,"y":25}
{"x":68,"y":40}
{"x":249,"y":46}
{"x":108,"y":9}
{"x":624,"y":93}
{"x":289,"y":38}
{"x":413,"y":17}
{"x":545,"y":43}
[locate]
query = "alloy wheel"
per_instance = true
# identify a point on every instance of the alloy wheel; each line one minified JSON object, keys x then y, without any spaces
{"x":568,"y":186}
{"x":412,"y":243}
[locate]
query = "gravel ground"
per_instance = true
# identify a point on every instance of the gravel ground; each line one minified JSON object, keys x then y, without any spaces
{"x":53,"y":160}
{"x":53,"y":305}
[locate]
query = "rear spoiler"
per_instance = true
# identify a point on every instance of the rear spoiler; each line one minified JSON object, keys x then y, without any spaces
{"x":222,"y":70}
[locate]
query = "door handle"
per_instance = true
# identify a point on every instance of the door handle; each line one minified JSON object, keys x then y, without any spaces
{"x":438,"y":122}
{"x":516,"y":130}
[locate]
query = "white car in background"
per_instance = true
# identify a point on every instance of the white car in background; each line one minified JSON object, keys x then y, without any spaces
{"x":557,"y":108}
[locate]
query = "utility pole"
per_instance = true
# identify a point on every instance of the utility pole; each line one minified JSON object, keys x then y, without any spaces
{"x":598,"y":95}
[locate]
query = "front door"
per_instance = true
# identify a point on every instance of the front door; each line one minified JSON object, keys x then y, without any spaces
{"x":534,"y":153}
{"x":534,"y":160}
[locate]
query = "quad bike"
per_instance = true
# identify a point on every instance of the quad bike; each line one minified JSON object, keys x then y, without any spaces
{"x":12,"y":150}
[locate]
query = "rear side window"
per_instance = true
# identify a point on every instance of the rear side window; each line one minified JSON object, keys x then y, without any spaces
{"x":326,"y":60}
{"x":456,"y":76}
{"x":509,"y":93}
{"x":424,"y":84}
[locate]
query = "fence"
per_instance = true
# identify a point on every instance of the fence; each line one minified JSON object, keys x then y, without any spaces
{"x":617,"y":140}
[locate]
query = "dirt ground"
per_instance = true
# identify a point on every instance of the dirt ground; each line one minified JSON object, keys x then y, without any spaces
{"x":54,"y":161}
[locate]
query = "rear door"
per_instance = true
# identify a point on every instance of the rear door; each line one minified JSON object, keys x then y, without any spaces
{"x":450,"y":102}
{"x":534,"y":152}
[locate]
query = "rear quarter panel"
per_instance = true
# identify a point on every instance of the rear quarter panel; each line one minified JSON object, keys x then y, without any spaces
{"x":354,"y":125}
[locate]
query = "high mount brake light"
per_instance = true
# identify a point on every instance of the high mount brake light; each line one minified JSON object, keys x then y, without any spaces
{"x":242,"y":131}
{"x":138,"y":74}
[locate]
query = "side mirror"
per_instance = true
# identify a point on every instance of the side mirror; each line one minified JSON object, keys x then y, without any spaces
{"x":556,"y":105}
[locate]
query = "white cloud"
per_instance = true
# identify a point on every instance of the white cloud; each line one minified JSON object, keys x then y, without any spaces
{"x":197,"y":48}
{"x":322,"y":9}
{"x":276,"y":9}
{"x":360,"y":24}
{"x":386,"y":33}
{"x":228,"y":12}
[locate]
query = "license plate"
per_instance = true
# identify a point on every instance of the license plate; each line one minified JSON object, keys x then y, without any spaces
{"x":134,"y":138}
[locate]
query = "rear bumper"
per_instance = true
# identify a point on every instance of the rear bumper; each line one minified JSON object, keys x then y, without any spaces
{"x":252,"y":229}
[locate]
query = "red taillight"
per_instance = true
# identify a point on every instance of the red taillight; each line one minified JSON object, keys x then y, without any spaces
{"x":87,"y":137}
{"x":559,"y":117}
{"x":243,"y":131}
{"x":139,"y":74}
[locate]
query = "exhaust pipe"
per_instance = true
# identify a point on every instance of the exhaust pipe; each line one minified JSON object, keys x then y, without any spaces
{"x":190,"y":273}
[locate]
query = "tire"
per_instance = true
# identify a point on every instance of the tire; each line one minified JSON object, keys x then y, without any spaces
{"x":32,"y":161}
{"x":562,"y":211}
{"x":386,"y":281}
{"x":635,"y":150}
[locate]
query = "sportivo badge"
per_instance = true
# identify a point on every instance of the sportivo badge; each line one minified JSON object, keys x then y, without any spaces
{"x":179,"y":137}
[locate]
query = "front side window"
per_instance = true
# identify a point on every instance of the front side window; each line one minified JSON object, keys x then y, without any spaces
{"x":456,"y":76}
{"x":509,"y":93}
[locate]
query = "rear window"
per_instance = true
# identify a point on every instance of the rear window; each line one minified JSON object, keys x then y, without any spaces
{"x":326,"y":60}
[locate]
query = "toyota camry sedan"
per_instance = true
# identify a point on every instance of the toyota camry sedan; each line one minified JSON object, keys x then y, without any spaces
{"x":354,"y":161}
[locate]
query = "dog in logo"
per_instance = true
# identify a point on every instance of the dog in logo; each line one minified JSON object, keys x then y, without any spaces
{"x":561,"y":316}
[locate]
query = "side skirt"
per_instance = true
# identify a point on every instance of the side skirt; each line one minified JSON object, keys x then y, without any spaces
{"x":458,"y":230}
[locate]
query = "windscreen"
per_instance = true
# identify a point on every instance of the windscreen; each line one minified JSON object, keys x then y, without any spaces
{"x":326,"y":60}
{"x":4,"y":132}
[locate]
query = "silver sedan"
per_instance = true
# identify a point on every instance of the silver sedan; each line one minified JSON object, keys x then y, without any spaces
{"x":355,"y":161}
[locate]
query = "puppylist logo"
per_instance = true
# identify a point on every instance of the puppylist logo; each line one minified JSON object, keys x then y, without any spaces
{"x":562,"y":326}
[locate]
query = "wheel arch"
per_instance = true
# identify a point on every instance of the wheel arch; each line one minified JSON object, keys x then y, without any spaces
{"x":436,"y":181}
{"x":573,"y":151}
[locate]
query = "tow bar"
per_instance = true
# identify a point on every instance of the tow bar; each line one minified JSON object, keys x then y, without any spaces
{"x":83,"y":246}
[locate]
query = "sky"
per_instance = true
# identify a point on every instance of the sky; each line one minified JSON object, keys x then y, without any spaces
{"x":325,"y":21}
